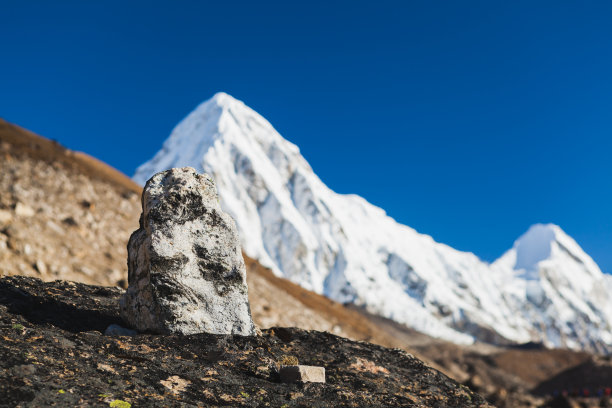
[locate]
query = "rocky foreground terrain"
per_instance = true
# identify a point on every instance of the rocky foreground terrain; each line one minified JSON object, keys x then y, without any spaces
{"x":65,"y":215}
{"x":53,"y":352}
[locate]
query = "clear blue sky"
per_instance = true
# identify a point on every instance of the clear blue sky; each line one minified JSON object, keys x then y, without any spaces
{"x":466,"y":120}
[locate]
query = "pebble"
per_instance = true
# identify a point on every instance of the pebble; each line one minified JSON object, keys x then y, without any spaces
{"x":302,"y":374}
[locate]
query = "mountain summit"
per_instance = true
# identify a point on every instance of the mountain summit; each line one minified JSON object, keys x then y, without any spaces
{"x":535,"y":246}
{"x":544,"y":289}
{"x":552,"y":281}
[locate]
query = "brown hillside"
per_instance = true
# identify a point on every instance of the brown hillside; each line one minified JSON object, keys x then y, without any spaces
{"x":23,"y":142}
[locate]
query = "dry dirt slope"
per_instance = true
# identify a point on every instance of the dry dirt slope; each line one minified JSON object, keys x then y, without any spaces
{"x":66,"y":215}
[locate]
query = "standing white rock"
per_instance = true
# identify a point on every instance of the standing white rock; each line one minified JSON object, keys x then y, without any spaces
{"x":185,"y":268}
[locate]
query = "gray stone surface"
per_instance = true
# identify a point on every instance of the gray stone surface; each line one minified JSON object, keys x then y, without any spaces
{"x":301,"y":374}
{"x":186,"y":273}
{"x":116,"y":330}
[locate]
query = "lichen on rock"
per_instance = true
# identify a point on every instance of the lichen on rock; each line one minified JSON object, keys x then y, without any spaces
{"x":186,"y":272}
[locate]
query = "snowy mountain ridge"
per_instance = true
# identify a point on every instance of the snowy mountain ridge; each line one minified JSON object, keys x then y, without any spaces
{"x":543,"y":289}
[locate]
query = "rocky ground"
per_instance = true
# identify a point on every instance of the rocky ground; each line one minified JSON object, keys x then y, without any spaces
{"x":54,"y":352}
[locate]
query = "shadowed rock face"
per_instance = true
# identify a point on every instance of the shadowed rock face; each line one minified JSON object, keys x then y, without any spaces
{"x":185,"y":268}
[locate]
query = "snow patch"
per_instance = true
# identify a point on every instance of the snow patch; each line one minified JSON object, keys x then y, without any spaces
{"x":534,"y":246}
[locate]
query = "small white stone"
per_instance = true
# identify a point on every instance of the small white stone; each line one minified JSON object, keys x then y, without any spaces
{"x":5,"y":217}
{"x":22,"y":210}
{"x":54,"y":227}
{"x":41,"y":267}
{"x":302,"y":373}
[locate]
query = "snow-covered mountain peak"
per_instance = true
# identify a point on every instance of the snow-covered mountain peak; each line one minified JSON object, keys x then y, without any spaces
{"x":219,"y":102}
{"x":552,"y":280}
{"x":223,"y":99}
{"x":219,"y":123}
{"x":535,"y":245}
{"x":351,"y":251}
{"x":546,"y":244}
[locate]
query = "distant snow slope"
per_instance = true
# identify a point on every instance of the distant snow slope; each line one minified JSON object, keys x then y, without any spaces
{"x":557,"y":288}
{"x":544,"y":289}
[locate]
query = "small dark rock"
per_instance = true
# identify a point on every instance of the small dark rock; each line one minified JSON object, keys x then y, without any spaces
{"x":116,"y":330}
{"x":70,"y":221}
